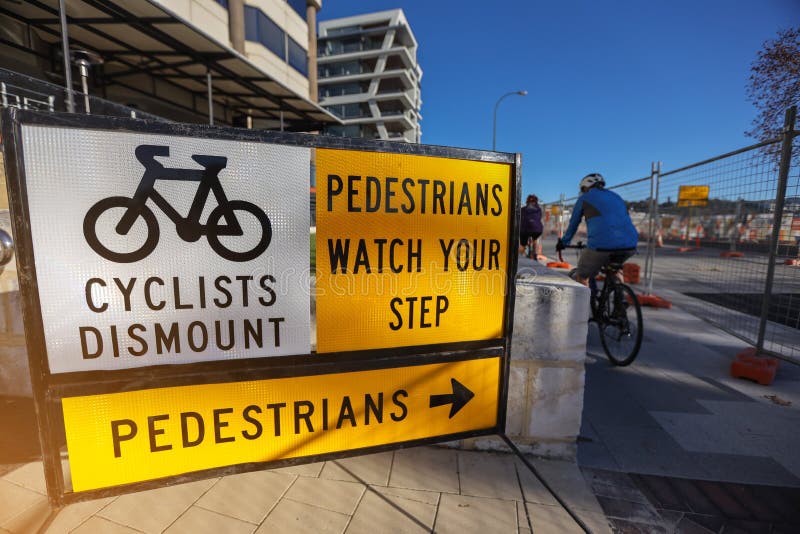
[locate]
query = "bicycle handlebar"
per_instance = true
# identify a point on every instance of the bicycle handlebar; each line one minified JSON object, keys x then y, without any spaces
{"x":578,"y":245}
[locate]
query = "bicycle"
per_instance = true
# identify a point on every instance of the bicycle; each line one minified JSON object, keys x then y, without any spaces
{"x":616,"y":311}
{"x":188,"y":228}
{"x":530,"y":249}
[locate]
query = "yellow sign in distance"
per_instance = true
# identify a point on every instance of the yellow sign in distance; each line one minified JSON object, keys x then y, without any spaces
{"x":411,"y":250}
{"x":690,"y":203}
{"x":693,"y":192}
{"x":128,"y":437}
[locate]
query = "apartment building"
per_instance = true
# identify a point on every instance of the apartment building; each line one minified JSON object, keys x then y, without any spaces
{"x":369,"y":76}
{"x":230,"y":62}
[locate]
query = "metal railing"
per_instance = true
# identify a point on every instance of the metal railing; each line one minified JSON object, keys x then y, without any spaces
{"x":15,"y":97}
{"x":733,"y":259}
{"x":25,"y":92}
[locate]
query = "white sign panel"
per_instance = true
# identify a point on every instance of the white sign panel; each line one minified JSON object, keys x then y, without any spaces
{"x":154,"y":249}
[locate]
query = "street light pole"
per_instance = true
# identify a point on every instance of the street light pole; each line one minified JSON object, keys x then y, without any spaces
{"x":494,"y":124}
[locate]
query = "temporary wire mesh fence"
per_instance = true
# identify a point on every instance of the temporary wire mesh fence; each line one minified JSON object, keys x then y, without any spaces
{"x":556,"y":218}
{"x":714,"y":256}
{"x":782,"y":331}
{"x":637,"y":195}
{"x":717,"y":253}
{"x":552,"y":220}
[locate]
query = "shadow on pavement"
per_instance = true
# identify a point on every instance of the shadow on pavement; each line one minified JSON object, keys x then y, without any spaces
{"x":19,"y":440}
{"x":649,"y":503}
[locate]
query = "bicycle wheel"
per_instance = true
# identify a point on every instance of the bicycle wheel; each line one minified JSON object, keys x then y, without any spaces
{"x":139,"y":251}
{"x":228,"y":210}
{"x":621,"y":325}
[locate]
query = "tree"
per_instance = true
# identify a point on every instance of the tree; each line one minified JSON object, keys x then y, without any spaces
{"x":775,"y":83}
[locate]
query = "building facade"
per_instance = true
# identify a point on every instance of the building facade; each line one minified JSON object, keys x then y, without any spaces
{"x":231,"y":62}
{"x":369,"y":76}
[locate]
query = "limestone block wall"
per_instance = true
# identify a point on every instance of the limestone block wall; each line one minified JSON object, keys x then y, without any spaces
{"x":548,"y":349}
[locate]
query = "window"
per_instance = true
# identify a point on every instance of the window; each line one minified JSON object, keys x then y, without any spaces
{"x":352,"y":130}
{"x":348,"y":111}
{"x":299,"y":6}
{"x":352,"y":45}
{"x":343,"y":30}
{"x":340,"y":69}
{"x":342,"y":89}
{"x":223,"y":3}
{"x":261,"y":29}
{"x":298,"y":57}
{"x":391,"y":85}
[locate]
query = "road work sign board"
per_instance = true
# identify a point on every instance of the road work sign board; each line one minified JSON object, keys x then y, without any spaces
{"x":693,"y":195}
{"x":411,"y":250}
{"x":167,"y":295}
{"x":154,"y":433}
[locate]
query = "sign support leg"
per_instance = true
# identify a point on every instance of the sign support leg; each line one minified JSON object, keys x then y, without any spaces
{"x":544,"y":483}
{"x":51,"y":516}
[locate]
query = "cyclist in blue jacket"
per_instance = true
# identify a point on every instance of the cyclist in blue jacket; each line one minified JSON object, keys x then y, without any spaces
{"x":608,"y":225}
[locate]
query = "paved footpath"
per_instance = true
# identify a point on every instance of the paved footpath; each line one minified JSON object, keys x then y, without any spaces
{"x":669,"y":444}
{"x":673,"y":443}
{"x":423,"y":489}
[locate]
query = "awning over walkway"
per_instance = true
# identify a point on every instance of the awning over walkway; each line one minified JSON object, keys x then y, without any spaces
{"x":150,"y":51}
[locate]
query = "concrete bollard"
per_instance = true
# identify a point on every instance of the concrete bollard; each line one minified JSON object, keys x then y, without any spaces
{"x":548,"y":351}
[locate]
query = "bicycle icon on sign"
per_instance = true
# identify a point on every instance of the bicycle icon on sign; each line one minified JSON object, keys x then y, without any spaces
{"x":188,"y":228}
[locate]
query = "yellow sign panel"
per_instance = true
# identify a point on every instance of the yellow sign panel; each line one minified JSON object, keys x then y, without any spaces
{"x":411,"y":250}
{"x":121,"y":438}
{"x":693,"y":192}
{"x":689,"y":203}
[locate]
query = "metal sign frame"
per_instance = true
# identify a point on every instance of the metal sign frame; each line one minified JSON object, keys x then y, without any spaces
{"x":49,"y":389}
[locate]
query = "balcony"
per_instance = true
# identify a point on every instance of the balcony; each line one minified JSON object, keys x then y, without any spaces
{"x":406,"y":98}
{"x":332,"y":49}
{"x":404,"y":75}
{"x":403,"y":53}
{"x":405,"y":118}
{"x":394,"y":121}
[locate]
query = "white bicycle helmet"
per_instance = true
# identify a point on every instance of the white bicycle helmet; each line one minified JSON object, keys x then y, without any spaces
{"x":591,"y":180}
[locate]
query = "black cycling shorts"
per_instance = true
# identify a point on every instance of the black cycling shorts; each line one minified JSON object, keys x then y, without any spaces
{"x":524,"y":236}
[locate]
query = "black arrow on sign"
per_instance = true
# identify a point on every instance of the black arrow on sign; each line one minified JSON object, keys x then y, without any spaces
{"x":458,"y":398}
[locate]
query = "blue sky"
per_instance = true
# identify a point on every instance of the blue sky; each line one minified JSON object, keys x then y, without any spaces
{"x":612,"y":85}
